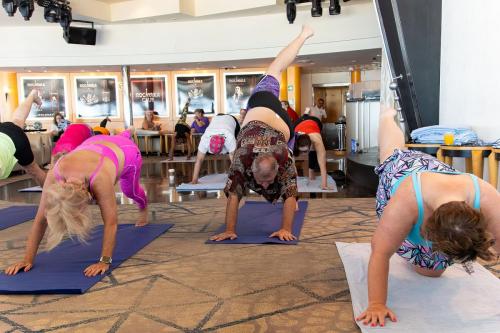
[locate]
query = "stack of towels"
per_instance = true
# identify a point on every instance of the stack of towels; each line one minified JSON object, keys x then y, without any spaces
{"x":435,"y":134}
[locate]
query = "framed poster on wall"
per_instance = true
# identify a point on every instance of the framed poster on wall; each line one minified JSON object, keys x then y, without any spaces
{"x":96,"y":97}
{"x":198,"y":89}
{"x":237,"y":89}
{"x":52,"y":92}
{"x":149,"y":92}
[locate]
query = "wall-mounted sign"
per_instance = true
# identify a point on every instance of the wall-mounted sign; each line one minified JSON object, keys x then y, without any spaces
{"x":238,"y":88}
{"x":96,"y":97}
{"x":51,"y":90}
{"x":199,"y":89}
{"x":149,"y":93}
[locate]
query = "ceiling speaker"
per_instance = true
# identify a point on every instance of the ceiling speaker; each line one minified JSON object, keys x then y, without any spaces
{"x":83,"y":36}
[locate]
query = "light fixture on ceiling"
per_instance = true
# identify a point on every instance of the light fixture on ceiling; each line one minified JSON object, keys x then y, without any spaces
{"x":316,"y":9}
{"x":26,"y":8}
{"x":10,"y":6}
{"x":334,"y":8}
{"x":52,"y":13}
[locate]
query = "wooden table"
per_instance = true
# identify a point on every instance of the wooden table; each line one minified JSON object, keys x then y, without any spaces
{"x":433,"y":149}
{"x":474,"y":157}
{"x":147,"y":136}
{"x":493,"y":166}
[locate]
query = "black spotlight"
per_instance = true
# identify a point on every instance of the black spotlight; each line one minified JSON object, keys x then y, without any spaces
{"x":52,"y":13}
{"x":26,"y":8}
{"x":334,"y":8}
{"x":316,"y":9}
{"x":291,"y":10}
{"x":10,"y":7}
{"x":66,"y":17}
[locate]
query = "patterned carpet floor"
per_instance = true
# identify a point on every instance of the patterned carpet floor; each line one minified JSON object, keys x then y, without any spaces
{"x":180,"y":284}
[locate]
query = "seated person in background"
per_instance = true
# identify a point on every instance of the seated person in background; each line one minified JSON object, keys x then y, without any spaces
{"x":430,"y":215}
{"x":90,"y":171}
{"x":262,"y":161}
{"x":58,"y":127}
{"x":14,"y":144}
{"x":101,"y":129}
{"x":200,"y":122}
{"x":308,"y":140}
{"x":182,"y":135}
{"x":318,"y":110}
{"x":219,"y":138}
{"x":243,"y":113}
{"x":149,"y":122}
{"x":291,"y":112}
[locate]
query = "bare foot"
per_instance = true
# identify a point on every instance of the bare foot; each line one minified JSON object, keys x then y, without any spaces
{"x":36,"y":97}
{"x":188,"y":157}
{"x":170,"y":158}
{"x":143,"y":219}
{"x":307,"y":31}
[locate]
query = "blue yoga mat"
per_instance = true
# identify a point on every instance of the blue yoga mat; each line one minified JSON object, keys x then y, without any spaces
{"x":15,"y":215}
{"x":61,"y":270}
{"x":258,"y":219}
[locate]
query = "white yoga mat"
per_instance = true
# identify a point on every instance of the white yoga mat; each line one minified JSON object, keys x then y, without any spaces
{"x":456,"y":302}
{"x":206,"y":183}
{"x":31,"y":189}
{"x":314,"y":186}
{"x":218,"y":182}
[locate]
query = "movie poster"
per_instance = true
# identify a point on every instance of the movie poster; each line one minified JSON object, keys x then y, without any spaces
{"x":199,"y":90}
{"x":50,"y":90}
{"x":96,"y":97}
{"x":149,"y":93}
{"x":238,"y":87}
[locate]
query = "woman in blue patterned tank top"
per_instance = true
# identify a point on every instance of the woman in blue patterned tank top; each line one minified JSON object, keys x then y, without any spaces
{"x":430,"y":214}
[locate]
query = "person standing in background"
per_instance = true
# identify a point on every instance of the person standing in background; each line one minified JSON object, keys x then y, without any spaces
{"x":318,"y":110}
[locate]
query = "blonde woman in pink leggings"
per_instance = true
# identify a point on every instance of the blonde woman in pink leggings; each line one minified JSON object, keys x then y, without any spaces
{"x":88,"y":172}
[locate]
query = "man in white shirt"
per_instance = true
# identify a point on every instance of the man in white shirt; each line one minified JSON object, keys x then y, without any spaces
{"x":219,"y":138}
{"x":318,"y":110}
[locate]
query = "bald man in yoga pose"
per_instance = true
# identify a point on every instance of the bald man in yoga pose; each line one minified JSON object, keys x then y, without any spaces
{"x":263,"y":161}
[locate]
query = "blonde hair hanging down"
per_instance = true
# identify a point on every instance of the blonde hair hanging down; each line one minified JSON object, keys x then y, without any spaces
{"x":67,"y":213}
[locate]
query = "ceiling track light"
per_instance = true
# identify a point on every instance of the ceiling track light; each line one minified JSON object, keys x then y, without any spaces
{"x":26,"y":8}
{"x":316,"y":8}
{"x":10,"y":6}
{"x":334,"y":8}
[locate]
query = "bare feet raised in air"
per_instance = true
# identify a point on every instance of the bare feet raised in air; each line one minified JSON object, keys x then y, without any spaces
{"x":36,"y":97}
{"x":307,"y":31}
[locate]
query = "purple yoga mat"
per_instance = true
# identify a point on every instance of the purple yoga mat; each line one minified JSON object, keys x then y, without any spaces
{"x":15,"y":215}
{"x":60,"y":271}
{"x":258,"y":219}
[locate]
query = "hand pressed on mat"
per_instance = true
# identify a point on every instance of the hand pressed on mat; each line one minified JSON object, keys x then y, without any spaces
{"x":283,"y":235}
{"x":223,"y":236}
{"x":375,"y":314}
{"x":94,"y":269}
{"x":15,"y":268}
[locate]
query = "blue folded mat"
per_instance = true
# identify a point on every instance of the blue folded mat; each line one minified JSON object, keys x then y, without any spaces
{"x":60,"y":271}
{"x":258,"y":219}
{"x":16,"y":215}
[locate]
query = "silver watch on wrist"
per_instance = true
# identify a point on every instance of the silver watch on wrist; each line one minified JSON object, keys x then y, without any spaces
{"x":106,"y":260}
